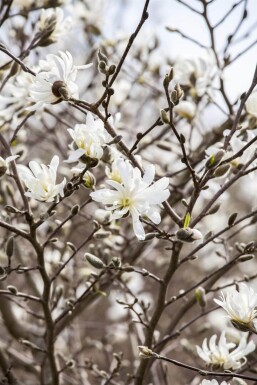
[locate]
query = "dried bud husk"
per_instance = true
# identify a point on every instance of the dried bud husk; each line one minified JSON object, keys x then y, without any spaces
{"x":215,"y":159}
{"x":200,"y":296}
{"x":116,"y":262}
{"x":59,"y":89}
{"x":94,"y":261}
{"x":188,"y":235}
{"x":164,"y":117}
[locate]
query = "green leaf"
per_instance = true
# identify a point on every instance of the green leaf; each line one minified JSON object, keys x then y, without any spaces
{"x":187,"y":220}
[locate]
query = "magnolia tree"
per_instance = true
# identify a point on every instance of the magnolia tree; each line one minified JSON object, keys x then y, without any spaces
{"x":127,"y":196}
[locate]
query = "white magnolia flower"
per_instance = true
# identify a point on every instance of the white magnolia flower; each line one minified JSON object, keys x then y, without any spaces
{"x":221,"y":356}
{"x":213,"y":382}
{"x":55,"y":81}
{"x":4,"y":163}
{"x":14,"y":97}
{"x":186,"y":109}
{"x":241,"y":307}
{"x":196,"y":73}
{"x":134,"y":195}
{"x":52,"y":19}
{"x":251,"y":105}
{"x":88,"y":139}
{"x":41,"y":180}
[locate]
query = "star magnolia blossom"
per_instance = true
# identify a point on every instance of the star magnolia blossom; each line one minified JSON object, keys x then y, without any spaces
{"x":41,"y":180}
{"x":220,"y":356}
{"x":53,"y":20}
{"x":196,"y":73}
{"x":88,"y":139}
{"x":134,"y":195}
{"x":241,"y":307}
{"x":55,"y":81}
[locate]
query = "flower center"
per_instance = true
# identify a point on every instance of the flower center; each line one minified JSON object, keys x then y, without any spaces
{"x":126,"y":202}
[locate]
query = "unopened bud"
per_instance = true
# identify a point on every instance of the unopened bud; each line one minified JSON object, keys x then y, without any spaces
{"x":200,"y":296}
{"x":112,"y":69}
{"x":222,"y":170}
{"x":10,"y":247}
{"x":215,"y":159}
{"x":246,"y":257}
{"x":102,"y":67}
{"x":89,"y":180}
{"x":94,"y":261}
{"x":12,"y":289}
{"x":164,"y":117}
{"x":145,"y":352}
{"x":188,"y":235}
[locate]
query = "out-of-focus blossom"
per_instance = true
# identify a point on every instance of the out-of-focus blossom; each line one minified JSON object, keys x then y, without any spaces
{"x":53,"y":23}
{"x":186,"y":109}
{"x":241,"y":307}
{"x":196,"y":73}
{"x":213,"y":382}
{"x":135,"y":195}
{"x":251,"y":105}
{"x":14,"y":97}
{"x":55,"y":81}
{"x":221,"y":356}
{"x":41,"y":180}
{"x":4,"y":163}
{"x":88,"y":139}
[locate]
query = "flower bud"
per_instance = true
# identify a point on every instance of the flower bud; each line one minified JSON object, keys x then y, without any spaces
{"x":188,"y":235}
{"x":215,"y":159}
{"x":102,"y":234}
{"x":3,"y":167}
{"x":145,"y":352}
{"x":89,"y":180}
{"x":10,"y":247}
{"x":164,"y":117}
{"x":12,"y":289}
{"x":94,"y":261}
{"x":222,"y":170}
{"x":200,"y":296}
